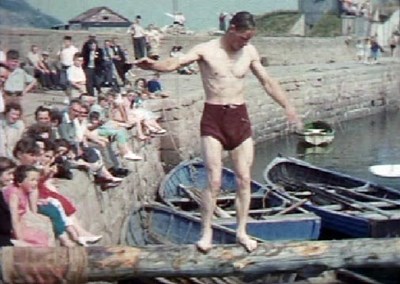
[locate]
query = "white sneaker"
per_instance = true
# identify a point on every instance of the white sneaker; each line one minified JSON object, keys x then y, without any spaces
{"x":85,"y":241}
{"x":132,"y":156}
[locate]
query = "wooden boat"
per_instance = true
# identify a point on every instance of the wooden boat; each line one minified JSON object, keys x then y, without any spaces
{"x":317,"y":133}
{"x":348,"y":205}
{"x":272,"y":217}
{"x":156,"y":223}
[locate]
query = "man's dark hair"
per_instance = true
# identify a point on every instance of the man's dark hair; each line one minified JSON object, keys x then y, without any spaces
{"x":68,"y":38}
{"x":243,"y":21}
{"x":37,"y":130}
{"x":12,"y":54}
{"x":21,"y":173}
{"x":94,"y":115}
{"x":75,"y":102}
{"x":42,"y":109}
{"x":26,"y":145}
{"x":6,"y":164}
{"x":56,"y":116}
{"x":13,"y":106}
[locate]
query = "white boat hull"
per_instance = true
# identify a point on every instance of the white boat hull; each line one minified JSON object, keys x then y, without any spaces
{"x":390,"y":171}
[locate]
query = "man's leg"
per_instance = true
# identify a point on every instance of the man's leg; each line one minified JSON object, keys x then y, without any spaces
{"x":212,"y":155}
{"x":242,"y":158}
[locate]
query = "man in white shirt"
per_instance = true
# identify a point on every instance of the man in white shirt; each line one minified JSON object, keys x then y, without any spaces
{"x":76,"y":77}
{"x":66,"y":55}
{"x":138,"y":34}
{"x":18,"y":83}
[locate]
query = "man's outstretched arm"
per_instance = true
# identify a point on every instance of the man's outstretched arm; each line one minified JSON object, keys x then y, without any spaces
{"x":169,"y":64}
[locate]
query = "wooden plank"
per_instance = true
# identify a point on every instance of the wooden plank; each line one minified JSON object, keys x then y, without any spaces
{"x":19,"y":265}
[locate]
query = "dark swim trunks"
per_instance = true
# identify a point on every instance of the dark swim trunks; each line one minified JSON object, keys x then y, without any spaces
{"x":229,"y":124}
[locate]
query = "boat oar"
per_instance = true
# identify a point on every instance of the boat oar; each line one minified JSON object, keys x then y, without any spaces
{"x":292,"y":207}
{"x":345,"y":200}
{"x":363,"y":195}
{"x":194,"y":194}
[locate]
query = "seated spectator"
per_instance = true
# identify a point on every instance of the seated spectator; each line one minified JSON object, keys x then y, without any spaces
{"x":26,"y":151}
{"x":72,"y":129}
{"x":110,"y":130}
{"x":140,"y":87}
{"x":33,"y":59}
{"x":18,"y":83}
{"x":7,"y":167}
{"x":11,"y":129}
{"x":77,"y":78}
{"x":135,"y":107}
{"x":121,"y":118}
{"x":32,"y":230}
{"x":48,"y":193}
{"x":39,"y":131}
{"x":154,"y":87}
{"x":48,"y":74}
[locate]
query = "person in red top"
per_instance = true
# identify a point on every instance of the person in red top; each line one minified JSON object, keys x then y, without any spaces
{"x":48,"y":192}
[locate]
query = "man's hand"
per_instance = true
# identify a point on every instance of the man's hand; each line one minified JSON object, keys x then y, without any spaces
{"x":294,"y":120}
{"x":145,"y":63}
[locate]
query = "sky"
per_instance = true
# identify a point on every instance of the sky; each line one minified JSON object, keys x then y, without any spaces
{"x":200,"y":14}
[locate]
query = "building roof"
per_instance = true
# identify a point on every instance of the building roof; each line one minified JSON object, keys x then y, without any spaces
{"x":99,"y":15}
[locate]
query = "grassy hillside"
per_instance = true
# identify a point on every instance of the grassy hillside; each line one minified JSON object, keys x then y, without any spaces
{"x":329,"y":25}
{"x":276,"y":23}
{"x":18,"y":13}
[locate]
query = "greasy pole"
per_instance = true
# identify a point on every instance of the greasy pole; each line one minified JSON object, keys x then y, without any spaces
{"x":83,"y":264}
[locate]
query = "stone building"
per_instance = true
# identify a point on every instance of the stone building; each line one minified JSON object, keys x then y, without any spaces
{"x":98,"y":18}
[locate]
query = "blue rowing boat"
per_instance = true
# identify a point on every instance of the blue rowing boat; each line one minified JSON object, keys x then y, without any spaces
{"x":271,"y":216}
{"x":156,"y":223}
{"x":348,"y":205}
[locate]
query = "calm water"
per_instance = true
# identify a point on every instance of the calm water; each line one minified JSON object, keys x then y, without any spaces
{"x":358,"y":144}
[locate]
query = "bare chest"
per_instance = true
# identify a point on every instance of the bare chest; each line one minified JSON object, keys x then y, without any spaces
{"x":223,"y":64}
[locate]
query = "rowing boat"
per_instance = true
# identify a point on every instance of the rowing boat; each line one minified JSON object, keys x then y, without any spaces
{"x":272,"y":216}
{"x":317,"y":133}
{"x":348,"y":205}
{"x":156,"y":223}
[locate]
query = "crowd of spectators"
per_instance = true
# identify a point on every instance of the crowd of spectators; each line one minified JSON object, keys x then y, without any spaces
{"x":93,"y":133}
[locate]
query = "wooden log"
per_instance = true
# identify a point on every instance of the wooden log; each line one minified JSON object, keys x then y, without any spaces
{"x":79,"y":264}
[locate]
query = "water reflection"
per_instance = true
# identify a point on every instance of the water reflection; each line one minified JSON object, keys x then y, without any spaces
{"x":358,"y":144}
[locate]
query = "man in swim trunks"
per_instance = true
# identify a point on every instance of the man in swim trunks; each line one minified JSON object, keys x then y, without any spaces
{"x":225,"y":125}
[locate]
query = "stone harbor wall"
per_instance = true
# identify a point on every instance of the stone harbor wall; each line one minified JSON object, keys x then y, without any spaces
{"x":331,"y":92}
{"x":276,"y":50}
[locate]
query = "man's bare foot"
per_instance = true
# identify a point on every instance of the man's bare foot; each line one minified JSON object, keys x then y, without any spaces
{"x":204,"y":245}
{"x":246,"y":242}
